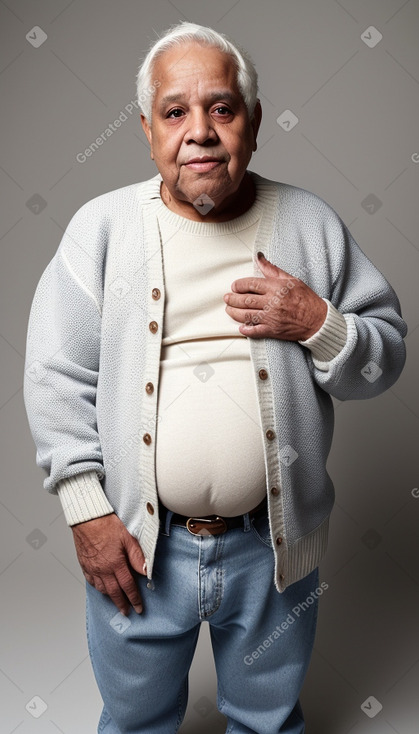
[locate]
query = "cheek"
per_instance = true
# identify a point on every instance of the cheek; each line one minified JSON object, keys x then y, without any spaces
{"x":166,"y":147}
{"x":239,"y":150}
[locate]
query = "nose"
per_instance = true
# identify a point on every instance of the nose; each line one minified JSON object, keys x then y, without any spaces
{"x":200,"y":128}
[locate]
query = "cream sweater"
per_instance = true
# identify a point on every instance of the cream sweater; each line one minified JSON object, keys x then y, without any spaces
{"x":208,"y":408}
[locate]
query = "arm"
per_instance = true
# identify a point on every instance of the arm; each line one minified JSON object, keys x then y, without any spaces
{"x":358,"y":359}
{"x":374,"y":353}
{"x":60,"y":381}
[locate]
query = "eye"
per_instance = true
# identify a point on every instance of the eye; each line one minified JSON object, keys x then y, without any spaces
{"x":177,"y":109}
{"x":222,"y":107}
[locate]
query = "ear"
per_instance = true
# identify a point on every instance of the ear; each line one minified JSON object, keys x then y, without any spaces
{"x":257,"y":118}
{"x":147,"y":130}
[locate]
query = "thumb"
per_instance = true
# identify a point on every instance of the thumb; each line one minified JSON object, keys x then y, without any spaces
{"x":267,"y":268}
{"x":134,"y":553}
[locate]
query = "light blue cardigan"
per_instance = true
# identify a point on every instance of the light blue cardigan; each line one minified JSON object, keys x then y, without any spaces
{"x":93,"y":344}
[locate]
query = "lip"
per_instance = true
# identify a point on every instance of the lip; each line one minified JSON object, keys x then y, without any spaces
{"x":206,"y":163}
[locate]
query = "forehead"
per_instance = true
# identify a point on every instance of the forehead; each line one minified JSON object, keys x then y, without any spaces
{"x":192,"y":65}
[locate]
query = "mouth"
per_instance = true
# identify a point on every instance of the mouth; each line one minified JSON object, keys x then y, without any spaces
{"x":206,"y":163}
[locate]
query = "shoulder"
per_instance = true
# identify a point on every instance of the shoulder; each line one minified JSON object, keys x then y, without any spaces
{"x":301,"y":199}
{"x":117,"y":202}
{"x":297,"y":201}
{"x":100,"y":221}
{"x":306,"y":227}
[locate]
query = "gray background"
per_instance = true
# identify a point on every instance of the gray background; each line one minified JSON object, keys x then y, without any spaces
{"x":356,"y":145}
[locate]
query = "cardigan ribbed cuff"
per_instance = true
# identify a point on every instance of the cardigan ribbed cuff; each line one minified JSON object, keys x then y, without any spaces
{"x":83,"y":498}
{"x":330,"y":339}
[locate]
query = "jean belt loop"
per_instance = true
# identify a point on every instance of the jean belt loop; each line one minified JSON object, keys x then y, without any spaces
{"x":246,"y":522}
{"x":169,"y":515}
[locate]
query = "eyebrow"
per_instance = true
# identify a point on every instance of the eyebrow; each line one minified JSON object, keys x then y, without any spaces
{"x":213,"y":97}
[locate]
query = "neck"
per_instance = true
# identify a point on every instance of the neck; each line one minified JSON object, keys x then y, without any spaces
{"x":230,"y":208}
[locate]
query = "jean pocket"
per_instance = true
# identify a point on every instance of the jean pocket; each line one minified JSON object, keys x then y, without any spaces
{"x":260,"y":528}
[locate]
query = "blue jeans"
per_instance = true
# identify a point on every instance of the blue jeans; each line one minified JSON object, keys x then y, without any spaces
{"x":262,"y":640}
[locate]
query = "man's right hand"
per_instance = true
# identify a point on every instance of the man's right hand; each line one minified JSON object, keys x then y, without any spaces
{"x":106,"y":553}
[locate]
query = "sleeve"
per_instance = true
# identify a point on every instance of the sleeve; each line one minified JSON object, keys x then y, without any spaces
{"x":62,"y":367}
{"x":82,"y":498}
{"x":374,"y":353}
{"x":328,"y":341}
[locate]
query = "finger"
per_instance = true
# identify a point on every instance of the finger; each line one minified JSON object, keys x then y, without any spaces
{"x":250,"y":317}
{"x":98,"y":584}
{"x":114,"y":591}
{"x":250,"y":285}
{"x":245,"y":300}
{"x":129,"y":586}
{"x":89,"y":578}
{"x":270,"y":270}
{"x":266,"y":267}
{"x":134,"y":553}
{"x":254,"y":331}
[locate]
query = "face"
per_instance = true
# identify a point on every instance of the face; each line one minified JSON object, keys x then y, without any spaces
{"x":198,"y":112}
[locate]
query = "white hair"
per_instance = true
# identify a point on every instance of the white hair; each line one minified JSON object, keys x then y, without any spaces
{"x":184,"y":32}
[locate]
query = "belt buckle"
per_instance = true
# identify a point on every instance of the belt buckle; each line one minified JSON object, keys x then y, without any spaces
{"x":206,"y":526}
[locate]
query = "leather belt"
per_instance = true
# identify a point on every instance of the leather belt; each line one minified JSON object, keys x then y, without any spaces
{"x":211,"y":524}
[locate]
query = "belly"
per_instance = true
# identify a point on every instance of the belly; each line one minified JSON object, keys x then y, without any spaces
{"x":209,"y":443}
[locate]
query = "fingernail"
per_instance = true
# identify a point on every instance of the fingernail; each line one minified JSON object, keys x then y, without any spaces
{"x":261,"y":255}
{"x":138,"y":608}
{"x":144,"y":568}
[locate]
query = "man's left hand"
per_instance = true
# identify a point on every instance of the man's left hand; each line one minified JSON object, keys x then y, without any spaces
{"x":278,"y":305}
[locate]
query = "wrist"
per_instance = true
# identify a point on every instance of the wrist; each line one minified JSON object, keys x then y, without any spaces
{"x":318,"y":318}
{"x":328,"y":342}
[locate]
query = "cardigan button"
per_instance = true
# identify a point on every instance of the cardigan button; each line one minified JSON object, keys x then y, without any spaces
{"x":153,"y":326}
{"x":149,"y":388}
{"x":275,"y":491}
{"x":263,"y":374}
{"x":278,"y":541}
{"x":147,"y":439}
{"x":270,"y":435}
{"x":155,"y":293}
{"x":281,"y":576}
{"x":150,"y":508}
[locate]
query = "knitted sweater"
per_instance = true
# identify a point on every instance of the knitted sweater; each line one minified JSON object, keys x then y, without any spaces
{"x":93,"y":350}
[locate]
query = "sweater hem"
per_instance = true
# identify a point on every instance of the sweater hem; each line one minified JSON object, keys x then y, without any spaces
{"x":303,"y":556}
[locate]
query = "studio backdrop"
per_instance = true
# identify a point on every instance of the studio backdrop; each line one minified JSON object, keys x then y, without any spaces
{"x":339,"y":88}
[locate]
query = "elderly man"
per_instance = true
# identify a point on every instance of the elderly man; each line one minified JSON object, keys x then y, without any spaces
{"x":183,"y":347}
